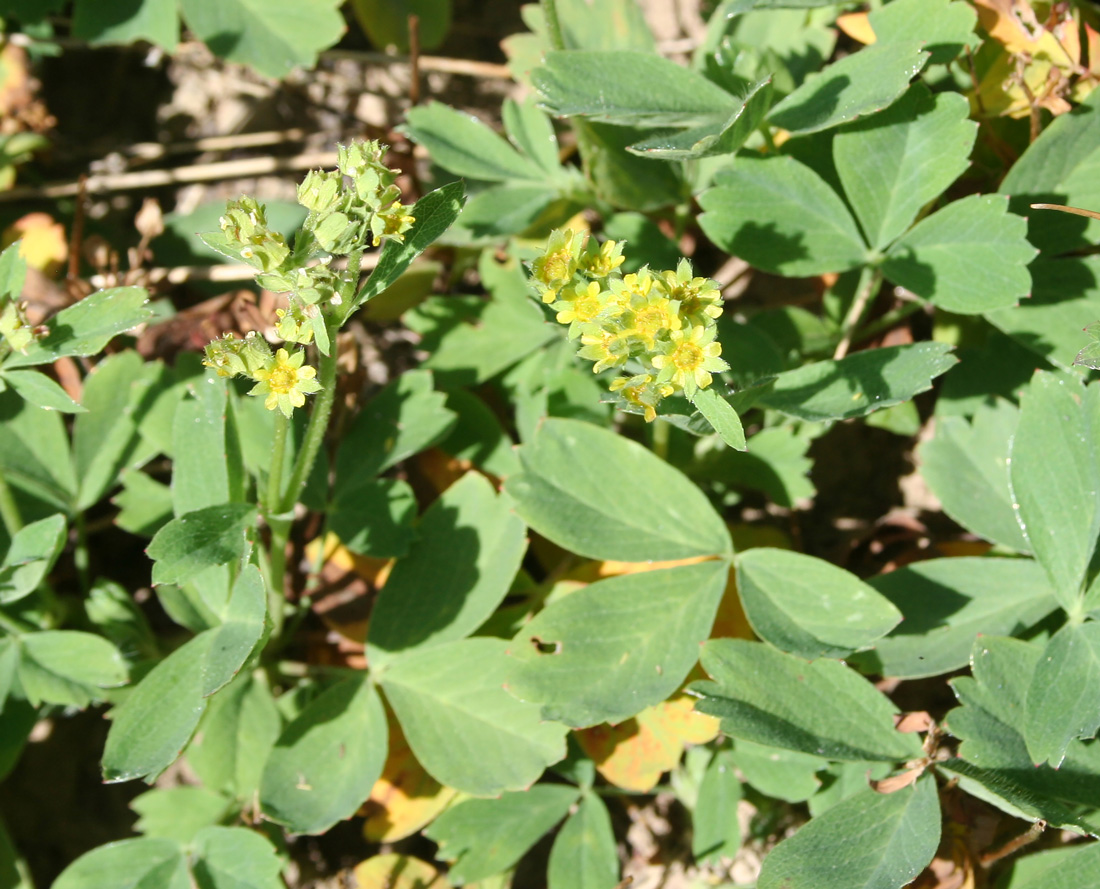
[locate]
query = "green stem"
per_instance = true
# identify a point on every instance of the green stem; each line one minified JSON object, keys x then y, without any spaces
{"x":660,"y":439}
{"x":315,"y":431}
{"x":9,"y":510}
{"x":278,"y":458}
{"x":553,"y":24}
{"x":890,"y":319}
{"x":870,"y":278}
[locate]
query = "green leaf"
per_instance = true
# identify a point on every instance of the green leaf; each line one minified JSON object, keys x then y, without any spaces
{"x":486,"y":836}
{"x":1060,"y":167}
{"x":465,"y":146}
{"x":947,"y":604}
{"x":938,"y":257}
{"x":721,"y":416}
{"x":1071,"y":867}
{"x":273,"y":36}
{"x":606,"y":652}
{"x":153,"y":725}
{"x":129,"y":864}
{"x":858,"y":384}
{"x":772,"y":698}
{"x":112,"y":610}
{"x":40,"y":390}
{"x":104,"y":23}
{"x":68,"y":667}
{"x":1065,"y":299}
{"x":144,"y":504}
{"x":472,"y":339}
{"x":326,"y":761}
{"x":945,"y":25}
{"x":584,"y":854}
{"x":780,"y":216}
{"x":513,"y":208}
{"x":434,"y":214}
{"x":178,"y":813}
{"x":628,"y":87}
{"x":783,"y":774}
{"x":1063,"y":700}
{"x":13,"y":271}
{"x":85,"y":328}
{"x":34,"y":451}
{"x":855,"y":86}
{"x":716,"y":139}
{"x":406,"y":417}
{"x":869,"y":841}
{"x":993,"y":761}
{"x":469,"y":548}
{"x":461,"y":724}
{"x":623,"y":179}
{"x":716,"y":831}
{"x":1055,"y":478}
{"x":30,"y":556}
{"x":776,"y":465}
{"x":532,"y":133}
{"x":579,"y":487}
{"x":386,"y":22}
{"x":207,"y":468}
{"x":374,"y":517}
{"x":808,"y":607}
{"x":215,"y":535}
{"x":478,"y":436}
{"x":236,"y":858}
{"x":612,"y":24}
{"x":243,"y":621}
{"x":235,"y":737}
{"x":895,"y":162}
{"x":966,"y":466}
{"x":105,"y":439}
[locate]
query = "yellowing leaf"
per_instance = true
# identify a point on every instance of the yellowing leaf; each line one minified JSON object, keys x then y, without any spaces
{"x":405,"y":798}
{"x":857,"y":26}
{"x":394,"y":871}
{"x":634,"y":754}
{"x":43,"y":241}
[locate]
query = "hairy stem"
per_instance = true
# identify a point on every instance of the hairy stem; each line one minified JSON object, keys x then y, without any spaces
{"x":315,"y":431}
{"x":553,"y":24}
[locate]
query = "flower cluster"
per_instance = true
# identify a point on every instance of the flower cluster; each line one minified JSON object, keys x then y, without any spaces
{"x":657,"y":328}
{"x":349,"y":207}
{"x":281,"y":376}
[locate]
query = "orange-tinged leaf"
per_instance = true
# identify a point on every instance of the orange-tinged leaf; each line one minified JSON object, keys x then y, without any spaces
{"x":43,"y":243}
{"x":394,"y":871}
{"x":405,"y":798}
{"x":634,"y":754}
{"x":439,"y":469}
{"x":857,"y":25}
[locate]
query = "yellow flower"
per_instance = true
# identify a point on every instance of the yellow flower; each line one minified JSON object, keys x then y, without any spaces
{"x":689,"y":359}
{"x":606,"y":348}
{"x":285,"y":382}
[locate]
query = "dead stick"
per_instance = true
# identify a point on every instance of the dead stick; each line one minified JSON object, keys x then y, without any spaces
{"x":76,"y":239}
{"x":414,"y":60}
{"x":150,"y":151}
{"x":111,"y":182}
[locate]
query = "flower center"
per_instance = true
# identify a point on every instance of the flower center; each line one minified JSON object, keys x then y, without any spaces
{"x":688,"y":357}
{"x":283,"y":379}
